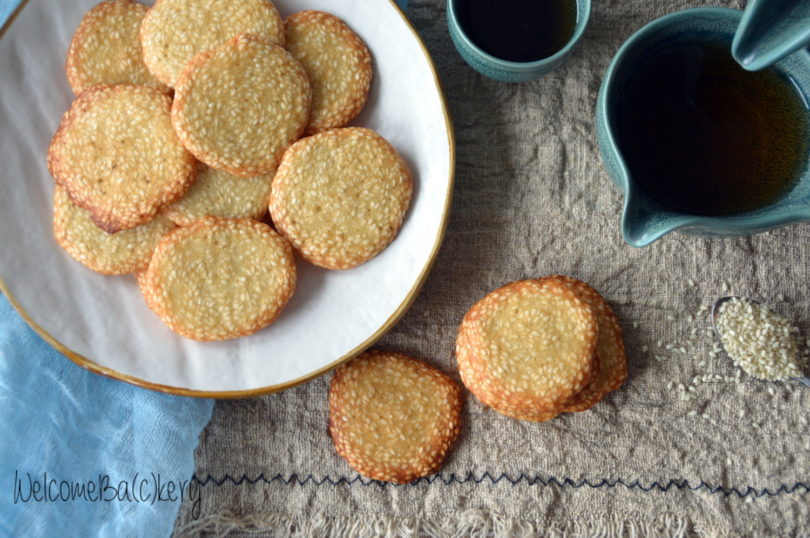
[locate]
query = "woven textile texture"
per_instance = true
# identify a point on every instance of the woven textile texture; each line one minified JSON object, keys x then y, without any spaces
{"x":532,"y":198}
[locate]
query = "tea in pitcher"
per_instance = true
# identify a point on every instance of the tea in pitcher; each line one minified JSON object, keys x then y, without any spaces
{"x":703,"y":136}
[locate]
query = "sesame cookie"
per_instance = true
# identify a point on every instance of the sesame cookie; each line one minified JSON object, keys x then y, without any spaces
{"x":106,"y":48}
{"x":609,"y":347}
{"x":221,"y":194}
{"x":528,"y":347}
{"x":340,"y":196}
{"x":239,"y":106}
{"x":338,"y":64}
{"x":174,"y":31}
{"x":220,"y":278}
{"x":470,"y":379}
{"x":118,"y":156}
{"x":120,"y":253}
{"x":393,"y":417}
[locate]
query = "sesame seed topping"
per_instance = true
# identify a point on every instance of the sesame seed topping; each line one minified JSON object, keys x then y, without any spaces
{"x":127,"y":251}
{"x":174,"y":31}
{"x":220,"y":278}
{"x":340,"y":196}
{"x":106,"y":47}
{"x":338,"y":64}
{"x":237,"y":107}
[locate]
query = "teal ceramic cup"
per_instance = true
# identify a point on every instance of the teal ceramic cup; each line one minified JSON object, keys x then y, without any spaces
{"x":503,"y":70}
{"x":644,"y":219}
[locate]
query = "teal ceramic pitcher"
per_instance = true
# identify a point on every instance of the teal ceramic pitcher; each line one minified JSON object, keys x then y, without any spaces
{"x":644,"y":219}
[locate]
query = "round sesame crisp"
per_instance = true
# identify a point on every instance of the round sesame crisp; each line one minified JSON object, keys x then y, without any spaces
{"x":609,"y":348}
{"x":493,"y":399}
{"x":106,"y":48}
{"x":338,"y":64}
{"x":393,"y":417}
{"x":220,"y":278}
{"x":117,"y":155}
{"x":174,"y":31}
{"x":340,"y":196}
{"x":120,"y":253}
{"x":529,"y":347}
{"x":221,"y":194}
{"x":239,"y":106}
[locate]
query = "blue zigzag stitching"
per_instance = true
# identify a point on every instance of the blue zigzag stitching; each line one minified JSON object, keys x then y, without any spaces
{"x":530,"y":480}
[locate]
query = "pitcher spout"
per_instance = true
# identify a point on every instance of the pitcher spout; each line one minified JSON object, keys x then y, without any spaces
{"x":769,"y":31}
{"x":643,"y":223}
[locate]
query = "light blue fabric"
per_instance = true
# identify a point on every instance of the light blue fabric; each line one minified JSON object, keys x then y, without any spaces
{"x":82,"y":429}
{"x":7,"y":7}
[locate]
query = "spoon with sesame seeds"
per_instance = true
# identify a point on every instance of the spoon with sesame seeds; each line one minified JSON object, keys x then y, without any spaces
{"x":758,"y":340}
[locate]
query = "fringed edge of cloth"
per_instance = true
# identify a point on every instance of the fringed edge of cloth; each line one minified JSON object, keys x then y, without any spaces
{"x":470,"y":523}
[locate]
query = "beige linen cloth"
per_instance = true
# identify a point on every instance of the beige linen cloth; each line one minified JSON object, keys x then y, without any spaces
{"x":532,"y":198}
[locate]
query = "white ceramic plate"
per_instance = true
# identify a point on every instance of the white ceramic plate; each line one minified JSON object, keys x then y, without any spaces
{"x":102,"y":322}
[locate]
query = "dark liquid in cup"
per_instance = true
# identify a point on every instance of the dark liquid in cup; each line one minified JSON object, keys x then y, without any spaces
{"x":703,"y":136}
{"x":518,"y":30}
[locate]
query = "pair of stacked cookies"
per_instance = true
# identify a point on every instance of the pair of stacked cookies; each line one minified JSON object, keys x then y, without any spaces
{"x":530,"y":350}
{"x":190,"y":114}
{"x":536,"y":348}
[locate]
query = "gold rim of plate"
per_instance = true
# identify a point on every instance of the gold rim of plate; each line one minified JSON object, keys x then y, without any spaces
{"x":88,"y":364}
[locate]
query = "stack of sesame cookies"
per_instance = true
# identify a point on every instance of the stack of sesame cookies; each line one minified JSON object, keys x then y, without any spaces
{"x":187,"y":128}
{"x":536,"y":348}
